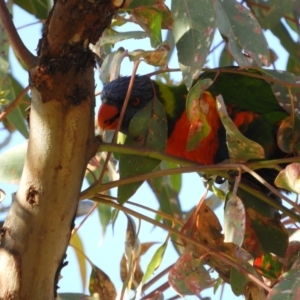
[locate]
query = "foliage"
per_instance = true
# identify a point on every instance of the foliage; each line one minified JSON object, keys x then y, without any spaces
{"x":252,"y":254}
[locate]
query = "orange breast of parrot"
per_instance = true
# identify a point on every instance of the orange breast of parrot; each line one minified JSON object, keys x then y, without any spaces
{"x":207,"y":148}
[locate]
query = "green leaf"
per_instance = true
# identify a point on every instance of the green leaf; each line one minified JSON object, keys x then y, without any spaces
{"x":105,"y":214}
{"x":197,"y":109}
{"x":288,"y":288}
{"x":287,"y":96}
{"x":147,"y":129}
{"x":38,"y":8}
{"x":287,"y":41}
{"x":226,"y":59}
{"x":194,"y":27}
{"x":150,"y":19}
{"x":12,"y":163}
{"x":238,"y":282}
{"x":270,"y":12}
{"x":240,"y":148}
{"x":242,"y":32}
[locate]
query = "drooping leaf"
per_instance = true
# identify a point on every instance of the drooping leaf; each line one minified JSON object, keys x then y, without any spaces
{"x":168,"y":198}
{"x":242,"y":32}
{"x":194,"y":27}
{"x":188,"y":276}
{"x":110,"y":69}
{"x":289,"y":178}
{"x":150,"y":19}
{"x":79,"y":250}
{"x":238,"y":282}
{"x":116,"y":37}
{"x":157,"y":57}
{"x":12,"y":163}
{"x":147,"y":129}
{"x":234,"y":220}
{"x":288,"y":288}
{"x":287,"y":96}
{"x":240,"y":148}
{"x":38,"y":8}
{"x":197,"y":109}
{"x":288,"y":135}
{"x":269,"y":12}
{"x":101,"y":284}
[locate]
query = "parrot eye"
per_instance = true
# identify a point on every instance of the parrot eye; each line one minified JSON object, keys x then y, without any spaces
{"x":136,"y":101}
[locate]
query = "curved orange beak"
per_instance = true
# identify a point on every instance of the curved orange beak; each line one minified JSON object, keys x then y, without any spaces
{"x":108,"y":116}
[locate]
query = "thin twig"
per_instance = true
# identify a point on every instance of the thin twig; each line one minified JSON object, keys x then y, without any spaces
{"x":212,"y":251}
{"x":14,"y":103}
{"x":29,"y":60}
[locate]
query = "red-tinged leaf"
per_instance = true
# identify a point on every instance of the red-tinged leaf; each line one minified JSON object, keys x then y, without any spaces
{"x":240,"y":148}
{"x":268,"y":266}
{"x":288,"y":288}
{"x":197,"y":108}
{"x":188,"y":276}
{"x":194,"y":27}
{"x":147,"y":129}
{"x":101,"y":284}
{"x":12,"y":162}
{"x":288,"y":135}
{"x":158,"y":57}
{"x":110,"y":68}
{"x":150,"y":19}
{"x":234,"y":220}
{"x":289,"y":178}
{"x":243,"y":33}
{"x":132,"y":243}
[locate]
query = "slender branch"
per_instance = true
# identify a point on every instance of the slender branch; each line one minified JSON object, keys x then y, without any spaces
{"x":14,"y":103}
{"x":29,"y":60}
{"x":212,"y":251}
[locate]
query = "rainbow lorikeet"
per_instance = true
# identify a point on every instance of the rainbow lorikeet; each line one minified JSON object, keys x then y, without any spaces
{"x":254,"y":110}
{"x":250,"y":103}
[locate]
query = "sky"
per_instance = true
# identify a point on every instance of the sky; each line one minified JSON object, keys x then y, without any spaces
{"x":106,"y":252}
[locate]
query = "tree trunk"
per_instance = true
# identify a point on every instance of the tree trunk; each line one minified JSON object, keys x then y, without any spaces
{"x":37,"y":229}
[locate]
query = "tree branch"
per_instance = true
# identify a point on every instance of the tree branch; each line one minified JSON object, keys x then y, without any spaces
{"x":27,"y":58}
